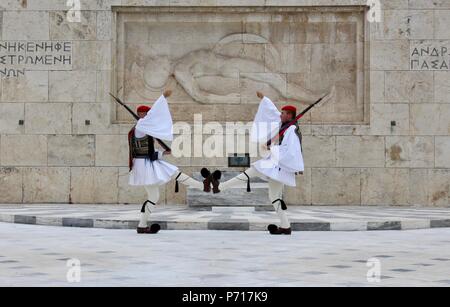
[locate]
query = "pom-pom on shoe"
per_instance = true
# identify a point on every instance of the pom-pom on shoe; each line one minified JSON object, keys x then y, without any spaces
{"x":216,"y":181}
{"x":207,"y":181}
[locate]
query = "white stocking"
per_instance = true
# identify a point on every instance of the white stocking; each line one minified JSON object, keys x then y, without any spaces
{"x":189,"y":181}
{"x":275,"y":195}
{"x":240,"y":180}
{"x":153,"y":196}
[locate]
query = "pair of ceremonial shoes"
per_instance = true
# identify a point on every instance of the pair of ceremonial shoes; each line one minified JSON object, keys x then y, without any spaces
{"x":154,"y":228}
{"x":211,"y":179}
{"x":275,"y":230}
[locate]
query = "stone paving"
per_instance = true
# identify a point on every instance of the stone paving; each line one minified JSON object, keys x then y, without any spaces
{"x":32,"y":255}
{"x":229,"y":218}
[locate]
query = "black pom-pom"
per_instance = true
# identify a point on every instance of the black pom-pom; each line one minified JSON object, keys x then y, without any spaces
{"x":217,"y":174}
{"x":205,"y":172}
{"x":272,"y":228}
{"x":154,"y":228}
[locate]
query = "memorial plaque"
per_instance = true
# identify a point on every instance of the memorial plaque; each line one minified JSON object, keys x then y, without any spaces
{"x":239,"y":160}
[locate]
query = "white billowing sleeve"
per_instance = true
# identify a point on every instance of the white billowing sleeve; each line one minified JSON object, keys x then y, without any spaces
{"x":266,"y":123}
{"x":288,"y":155}
{"x":158,"y":121}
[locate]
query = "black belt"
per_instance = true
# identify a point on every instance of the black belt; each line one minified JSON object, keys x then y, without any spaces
{"x":154,"y":157}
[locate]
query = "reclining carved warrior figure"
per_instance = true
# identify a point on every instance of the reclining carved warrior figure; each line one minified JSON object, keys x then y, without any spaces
{"x":197,"y":70}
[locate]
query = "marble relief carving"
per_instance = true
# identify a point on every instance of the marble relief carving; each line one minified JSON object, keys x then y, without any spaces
{"x":222,"y":59}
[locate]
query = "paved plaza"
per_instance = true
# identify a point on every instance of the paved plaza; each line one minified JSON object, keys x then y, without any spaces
{"x":366,"y":173}
{"x":33,"y":255}
{"x":177,"y":217}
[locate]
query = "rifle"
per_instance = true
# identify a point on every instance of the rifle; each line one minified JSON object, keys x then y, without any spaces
{"x":136,"y":117}
{"x":297,"y":118}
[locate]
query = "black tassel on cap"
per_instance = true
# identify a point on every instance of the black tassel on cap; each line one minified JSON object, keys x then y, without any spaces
{"x":248,"y":182}
{"x":177,"y":188}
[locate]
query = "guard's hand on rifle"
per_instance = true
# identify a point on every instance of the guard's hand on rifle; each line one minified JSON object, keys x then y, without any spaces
{"x":260,"y":95}
{"x":167,"y":152}
{"x":167,"y":93}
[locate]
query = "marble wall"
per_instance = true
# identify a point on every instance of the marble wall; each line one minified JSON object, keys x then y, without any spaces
{"x":384,"y":141}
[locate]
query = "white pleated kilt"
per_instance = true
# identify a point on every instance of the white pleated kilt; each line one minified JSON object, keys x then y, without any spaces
{"x":147,"y":172}
{"x":269,"y":169}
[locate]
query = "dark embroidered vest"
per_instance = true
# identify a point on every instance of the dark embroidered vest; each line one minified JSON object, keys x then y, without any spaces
{"x":141,"y":148}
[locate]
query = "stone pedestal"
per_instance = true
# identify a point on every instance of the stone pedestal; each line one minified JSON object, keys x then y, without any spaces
{"x":236,"y":197}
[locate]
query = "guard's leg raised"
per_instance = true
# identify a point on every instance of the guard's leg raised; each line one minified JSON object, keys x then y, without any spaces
{"x":187,"y":181}
{"x":240,"y":180}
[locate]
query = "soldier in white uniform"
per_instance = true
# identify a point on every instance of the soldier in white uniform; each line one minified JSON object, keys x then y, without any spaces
{"x":146,"y":165}
{"x":282,"y":163}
